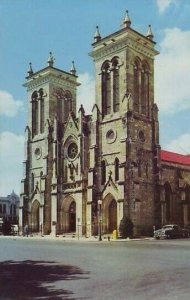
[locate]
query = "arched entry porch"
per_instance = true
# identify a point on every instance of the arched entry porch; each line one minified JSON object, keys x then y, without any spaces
{"x":68,"y":216}
{"x":109,"y":214}
{"x":35,"y":217}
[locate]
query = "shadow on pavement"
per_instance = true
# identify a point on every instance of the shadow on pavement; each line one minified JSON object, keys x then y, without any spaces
{"x":36,"y":280}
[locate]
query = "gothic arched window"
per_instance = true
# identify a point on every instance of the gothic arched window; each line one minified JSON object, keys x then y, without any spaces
{"x":139,"y":168}
{"x":59,"y":109}
{"x":115,"y":85}
{"x":103,"y":171}
{"x":187,"y":193}
{"x":136,"y":84}
{"x":41,"y":93}
{"x":187,"y":198}
{"x":144,"y":89}
{"x":41,"y":184}
{"x":168,"y":202}
{"x":116,"y":169}
{"x":106,"y":90}
{"x":67,"y":104}
{"x":32,"y":182}
{"x":34,"y":113}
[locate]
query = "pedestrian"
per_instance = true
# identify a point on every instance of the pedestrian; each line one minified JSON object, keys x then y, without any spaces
{"x":26,"y":230}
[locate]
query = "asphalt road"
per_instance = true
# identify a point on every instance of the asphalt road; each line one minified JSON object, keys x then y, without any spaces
{"x":134,"y":270}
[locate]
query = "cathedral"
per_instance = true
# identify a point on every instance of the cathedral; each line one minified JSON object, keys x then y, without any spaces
{"x":84,"y":173}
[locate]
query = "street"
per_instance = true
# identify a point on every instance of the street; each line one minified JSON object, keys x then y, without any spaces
{"x":56,"y":269}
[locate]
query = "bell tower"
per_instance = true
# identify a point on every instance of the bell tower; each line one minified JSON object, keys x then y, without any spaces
{"x":124,"y":65}
{"x":51,"y":97}
{"x":129,"y":136}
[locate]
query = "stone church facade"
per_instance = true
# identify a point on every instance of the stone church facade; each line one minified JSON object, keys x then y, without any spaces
{"x":85,"y":172}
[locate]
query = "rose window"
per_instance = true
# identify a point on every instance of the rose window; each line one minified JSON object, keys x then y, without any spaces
{"x":72,"y":150}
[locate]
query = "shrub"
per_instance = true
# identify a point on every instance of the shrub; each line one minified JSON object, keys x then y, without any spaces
{"x":126,"y":227}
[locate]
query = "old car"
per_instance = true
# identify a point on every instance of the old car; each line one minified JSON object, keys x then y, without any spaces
{"x":171,"y":231}
{"x":14,"y":229}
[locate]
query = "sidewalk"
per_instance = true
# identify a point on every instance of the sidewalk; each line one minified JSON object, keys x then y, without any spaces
{"x":75,"y":238}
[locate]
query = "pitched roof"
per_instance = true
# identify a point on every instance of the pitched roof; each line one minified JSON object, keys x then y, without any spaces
{"x":175,"y":158}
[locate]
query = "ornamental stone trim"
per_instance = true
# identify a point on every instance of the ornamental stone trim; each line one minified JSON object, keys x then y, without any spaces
{"x":132,"y":44}
{"x":113,"y":153}
{"x":43,"y":79}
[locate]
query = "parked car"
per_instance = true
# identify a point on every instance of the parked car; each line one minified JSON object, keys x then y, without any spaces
{"x":14,"y":229}
{"x":171,"y":231}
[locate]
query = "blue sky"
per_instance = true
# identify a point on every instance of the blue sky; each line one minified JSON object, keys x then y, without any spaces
{"x":29,"y":29}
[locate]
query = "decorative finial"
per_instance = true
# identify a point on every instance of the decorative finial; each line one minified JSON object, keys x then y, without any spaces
{"x":81,"y":109}
{"x":30,"y":71}
{"x":127,"y":21}
{"x":97,"y":36}
{"x":149,"y":34}
{"x":73,"y":69}
{"x":50,"y":60}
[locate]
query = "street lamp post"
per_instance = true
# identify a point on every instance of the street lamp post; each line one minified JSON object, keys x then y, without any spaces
{"x":78,"y":225}
{"x":100,"y":219}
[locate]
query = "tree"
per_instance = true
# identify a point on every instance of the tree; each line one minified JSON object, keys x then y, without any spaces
{"x":126,"y":227}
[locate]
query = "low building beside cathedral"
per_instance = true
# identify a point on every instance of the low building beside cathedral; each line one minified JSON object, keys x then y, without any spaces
{"x":9,"y":208}
{"x":86,"y":172}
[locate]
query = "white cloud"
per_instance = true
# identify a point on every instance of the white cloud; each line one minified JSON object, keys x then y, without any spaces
{"x":180,"y":145}
{"x":86,"y":92}
{"x":172,"y":75}
{"x":9,"y":107}
{"x":164,"y":4}
{"x":11,"y":157}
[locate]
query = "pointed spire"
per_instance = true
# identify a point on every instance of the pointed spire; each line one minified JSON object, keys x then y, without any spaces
{"x":97,"y":36}
{"x":30,"y":71}
{"x":81,"y":109}
{"x":149,"y":34}
{"x":127,"y":21}
{"x":50,"y":60}
{"x":73,"y":69}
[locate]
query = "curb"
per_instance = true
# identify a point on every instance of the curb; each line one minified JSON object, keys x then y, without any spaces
{"x":75,"y":239}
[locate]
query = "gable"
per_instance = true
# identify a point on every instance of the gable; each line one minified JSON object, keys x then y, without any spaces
{"x":71,"y":127}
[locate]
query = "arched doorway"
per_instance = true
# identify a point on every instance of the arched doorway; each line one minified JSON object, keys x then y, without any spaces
{"x":109,"y":214}
{"x":72,"y":217}
{"x":112,"y":216}
{"x":35,"y":215}
{"x":67,"y":215}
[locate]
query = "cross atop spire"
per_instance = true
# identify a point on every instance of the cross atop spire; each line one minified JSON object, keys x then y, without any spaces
{"x":149,"y":34}
{"x":127,"y":21}
{"x":97,"y":36}
{"x":30,"y":71}
{"x":73,"y":69}
{"x":50,"y":60}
